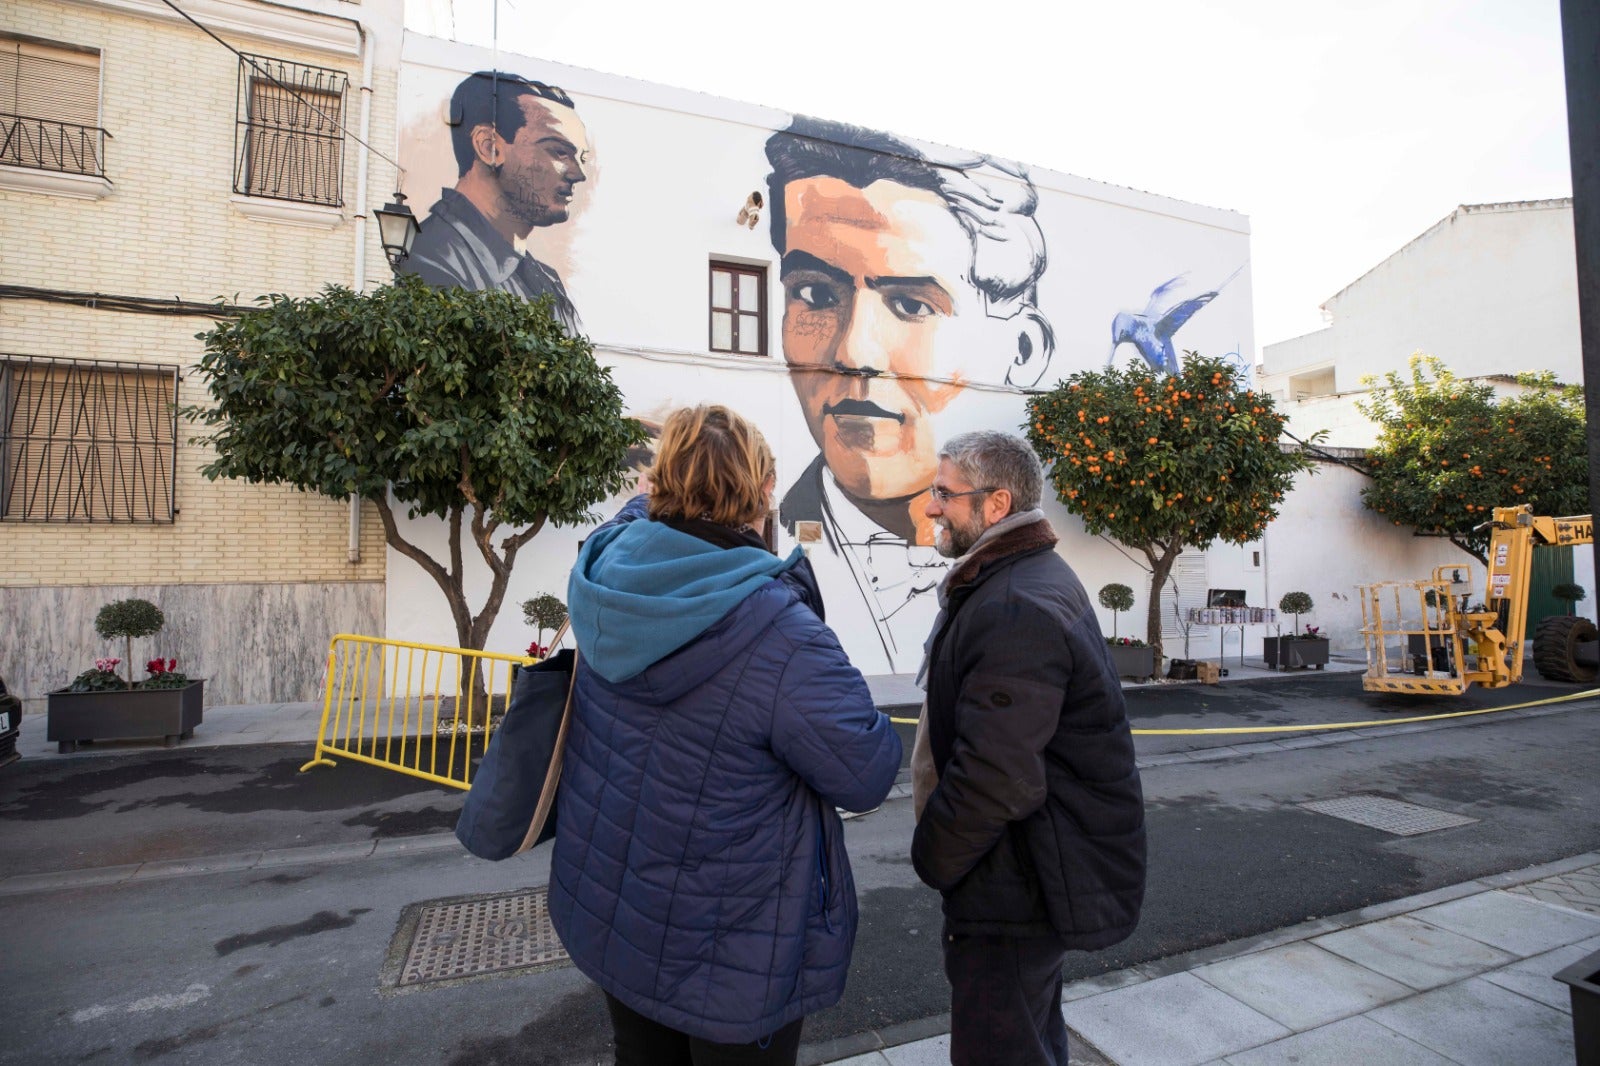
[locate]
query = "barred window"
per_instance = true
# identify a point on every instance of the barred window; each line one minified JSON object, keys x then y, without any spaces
{"x":87,"y":441}
{"x":290,"y":146}
{"x":50,"y":107}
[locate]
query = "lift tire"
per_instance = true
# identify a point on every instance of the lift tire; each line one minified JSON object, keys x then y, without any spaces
{"x":1555,"y":648}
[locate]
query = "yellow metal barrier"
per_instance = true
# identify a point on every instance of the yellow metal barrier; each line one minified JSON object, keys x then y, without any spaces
{"x":400,"y":705}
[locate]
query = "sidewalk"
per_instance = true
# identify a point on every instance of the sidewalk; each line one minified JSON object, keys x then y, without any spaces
{"x":1460,"y":975}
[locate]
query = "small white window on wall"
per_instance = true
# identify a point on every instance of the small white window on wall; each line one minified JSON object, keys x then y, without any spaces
{"x":50,"y":107}
{"x":738,"y":308}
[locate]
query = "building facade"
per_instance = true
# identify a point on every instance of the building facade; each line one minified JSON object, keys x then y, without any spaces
{"x":1491,"y":290}
{"x":149,"y":169}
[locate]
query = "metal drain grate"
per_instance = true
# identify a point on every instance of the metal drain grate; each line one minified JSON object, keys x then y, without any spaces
{"x":1390,"y":815}
{"x":456,"y":939}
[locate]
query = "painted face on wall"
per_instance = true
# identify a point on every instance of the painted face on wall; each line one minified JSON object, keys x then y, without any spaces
{"x":543,"y":163}
{"x":881,"y":327}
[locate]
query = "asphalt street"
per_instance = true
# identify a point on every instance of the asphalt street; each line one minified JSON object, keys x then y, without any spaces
{"x":285,"y":960}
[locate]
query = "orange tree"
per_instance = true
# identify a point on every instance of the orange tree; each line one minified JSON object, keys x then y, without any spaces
{"x":1449,"y":451}
{"x":1164,"y":463}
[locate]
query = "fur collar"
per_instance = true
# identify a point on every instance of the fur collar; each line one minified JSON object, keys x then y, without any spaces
{"x":1027,"y":536}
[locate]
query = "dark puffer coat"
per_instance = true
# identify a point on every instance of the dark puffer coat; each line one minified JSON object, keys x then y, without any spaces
{"x":1036,"y":826}
{"x":699,"y":872}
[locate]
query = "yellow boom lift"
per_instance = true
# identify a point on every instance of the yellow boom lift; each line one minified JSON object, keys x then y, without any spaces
{"x":1422,"y":637}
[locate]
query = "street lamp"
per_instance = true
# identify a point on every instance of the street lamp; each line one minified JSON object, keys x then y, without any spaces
{"x":397,"y":229}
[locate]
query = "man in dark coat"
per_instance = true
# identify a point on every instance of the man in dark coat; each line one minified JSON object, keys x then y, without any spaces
{"x":1030,"y":814}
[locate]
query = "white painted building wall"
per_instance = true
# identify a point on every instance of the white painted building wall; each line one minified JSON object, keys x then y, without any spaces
{"x":1489,"y":289}
{"x":667,"y":174}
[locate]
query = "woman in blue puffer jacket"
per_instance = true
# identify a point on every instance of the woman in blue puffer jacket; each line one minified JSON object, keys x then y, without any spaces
{"x":699,"y":874}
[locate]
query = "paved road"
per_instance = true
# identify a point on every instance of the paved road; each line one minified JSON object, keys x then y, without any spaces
{"x":279,"y":960}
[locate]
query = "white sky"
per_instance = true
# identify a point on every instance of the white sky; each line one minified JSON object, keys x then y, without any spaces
{"x":1342,"y":129}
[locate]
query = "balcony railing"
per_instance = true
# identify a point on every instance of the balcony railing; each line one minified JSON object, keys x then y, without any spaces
{"x":45,"y":144}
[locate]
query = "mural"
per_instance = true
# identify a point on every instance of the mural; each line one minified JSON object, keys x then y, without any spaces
{"x":904,"y":277}
{"x":917,"y":296}
{"x":520,"y":149}
{"x":1172,"y":304}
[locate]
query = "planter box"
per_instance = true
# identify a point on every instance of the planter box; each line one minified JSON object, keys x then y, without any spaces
{"x":171,"y":713}
{"x":1132,"y":662}
{"x":1283,"y":652}
{"x":1582,"y":979}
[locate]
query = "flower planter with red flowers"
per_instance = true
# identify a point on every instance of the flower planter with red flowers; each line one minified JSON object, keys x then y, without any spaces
{"x":124,"y":714}
{"x":1132,"y":658}
{"x":100,"y":705}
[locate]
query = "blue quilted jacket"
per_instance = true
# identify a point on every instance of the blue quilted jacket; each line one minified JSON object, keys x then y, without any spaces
{"x":699,"y":873}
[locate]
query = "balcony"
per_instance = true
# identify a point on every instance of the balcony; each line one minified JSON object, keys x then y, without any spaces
{"x":56,"y":157}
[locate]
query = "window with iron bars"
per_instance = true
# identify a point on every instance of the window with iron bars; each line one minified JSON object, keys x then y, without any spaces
{"x":288,"y":140}
{"x":50,"y":107}
{"x":87,"y":441}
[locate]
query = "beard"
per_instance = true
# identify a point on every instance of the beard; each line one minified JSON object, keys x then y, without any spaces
{"x":953,"y":539}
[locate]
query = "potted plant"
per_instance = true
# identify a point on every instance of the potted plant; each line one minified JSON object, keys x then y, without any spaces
{"x":1568,"y":593}
{"x":1296,"y":650}
{"x":1131,"y":657}
{"x":543,"y":612}
{"x":102,"y":705}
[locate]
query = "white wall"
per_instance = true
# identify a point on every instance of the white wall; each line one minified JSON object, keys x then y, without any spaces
{"x":1490,"y":289}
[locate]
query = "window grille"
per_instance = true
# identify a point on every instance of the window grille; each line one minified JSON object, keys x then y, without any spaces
{"x":50,"y":107}
{"x":738,"y":309}
{"x":289,"y":145}
{"x":87,"y":441}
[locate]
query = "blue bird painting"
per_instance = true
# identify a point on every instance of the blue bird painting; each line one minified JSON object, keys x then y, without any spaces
{"x":1171,"y":305}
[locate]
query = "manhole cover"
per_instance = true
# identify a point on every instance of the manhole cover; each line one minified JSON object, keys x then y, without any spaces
{"x":1390,"y":815}
{"x":452,"y":939}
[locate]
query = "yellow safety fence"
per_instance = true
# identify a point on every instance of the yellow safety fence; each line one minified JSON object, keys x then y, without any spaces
{"x":1324,"y":726}
{"x":401,"y":706}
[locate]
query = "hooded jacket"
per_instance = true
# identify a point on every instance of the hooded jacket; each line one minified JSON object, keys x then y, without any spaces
{"x":699,"y":872}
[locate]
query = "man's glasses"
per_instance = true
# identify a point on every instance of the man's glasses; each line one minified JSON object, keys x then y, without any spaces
{"x":944,"y":496}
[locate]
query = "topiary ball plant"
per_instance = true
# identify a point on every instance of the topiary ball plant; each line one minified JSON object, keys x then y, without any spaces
{"x":544,"y":612}
{"x":1568,"y":592}
{"x":1297,"y":604}
{"x":1116,"y":599}
{"x":128,"y":619}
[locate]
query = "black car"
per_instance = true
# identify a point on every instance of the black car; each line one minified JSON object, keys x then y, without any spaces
{"x":10,"y":724}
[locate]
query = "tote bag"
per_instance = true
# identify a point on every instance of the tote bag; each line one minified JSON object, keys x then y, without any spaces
{"x":511,"y":804}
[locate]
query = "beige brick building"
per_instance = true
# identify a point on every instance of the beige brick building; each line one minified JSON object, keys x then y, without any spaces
{"x":147,"y":170}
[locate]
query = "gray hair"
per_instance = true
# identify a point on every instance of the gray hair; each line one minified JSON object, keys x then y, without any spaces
{"x":992,"y":459}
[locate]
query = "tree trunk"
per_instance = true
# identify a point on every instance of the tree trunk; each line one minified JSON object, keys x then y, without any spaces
{"x":1160,"y":568}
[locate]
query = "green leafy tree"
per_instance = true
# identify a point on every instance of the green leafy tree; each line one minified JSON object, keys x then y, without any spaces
{"x":1116,"y":598}
{"x":1450,"y":451}
{"x":1164,"y":464}
{"x":125,"y":619}
{"x":1569,"y":593}
{"x":544,"y":612}
{"x":1297,"y":604}
{"x":473,"y":407}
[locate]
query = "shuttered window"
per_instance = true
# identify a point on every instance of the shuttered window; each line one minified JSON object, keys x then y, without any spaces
{"x":49,"y":107}
{"x":87,"y":441}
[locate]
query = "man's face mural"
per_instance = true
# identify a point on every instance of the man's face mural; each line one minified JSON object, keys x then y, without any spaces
{"x":877,"y":300}
{"x":543,"y":162}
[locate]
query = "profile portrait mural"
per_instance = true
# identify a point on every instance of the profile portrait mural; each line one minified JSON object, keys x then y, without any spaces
{"x":520,"y":149}
{"x":893,"y":293}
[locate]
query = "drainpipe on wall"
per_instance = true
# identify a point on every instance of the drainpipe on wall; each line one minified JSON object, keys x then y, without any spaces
{"x":353,"y":548}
